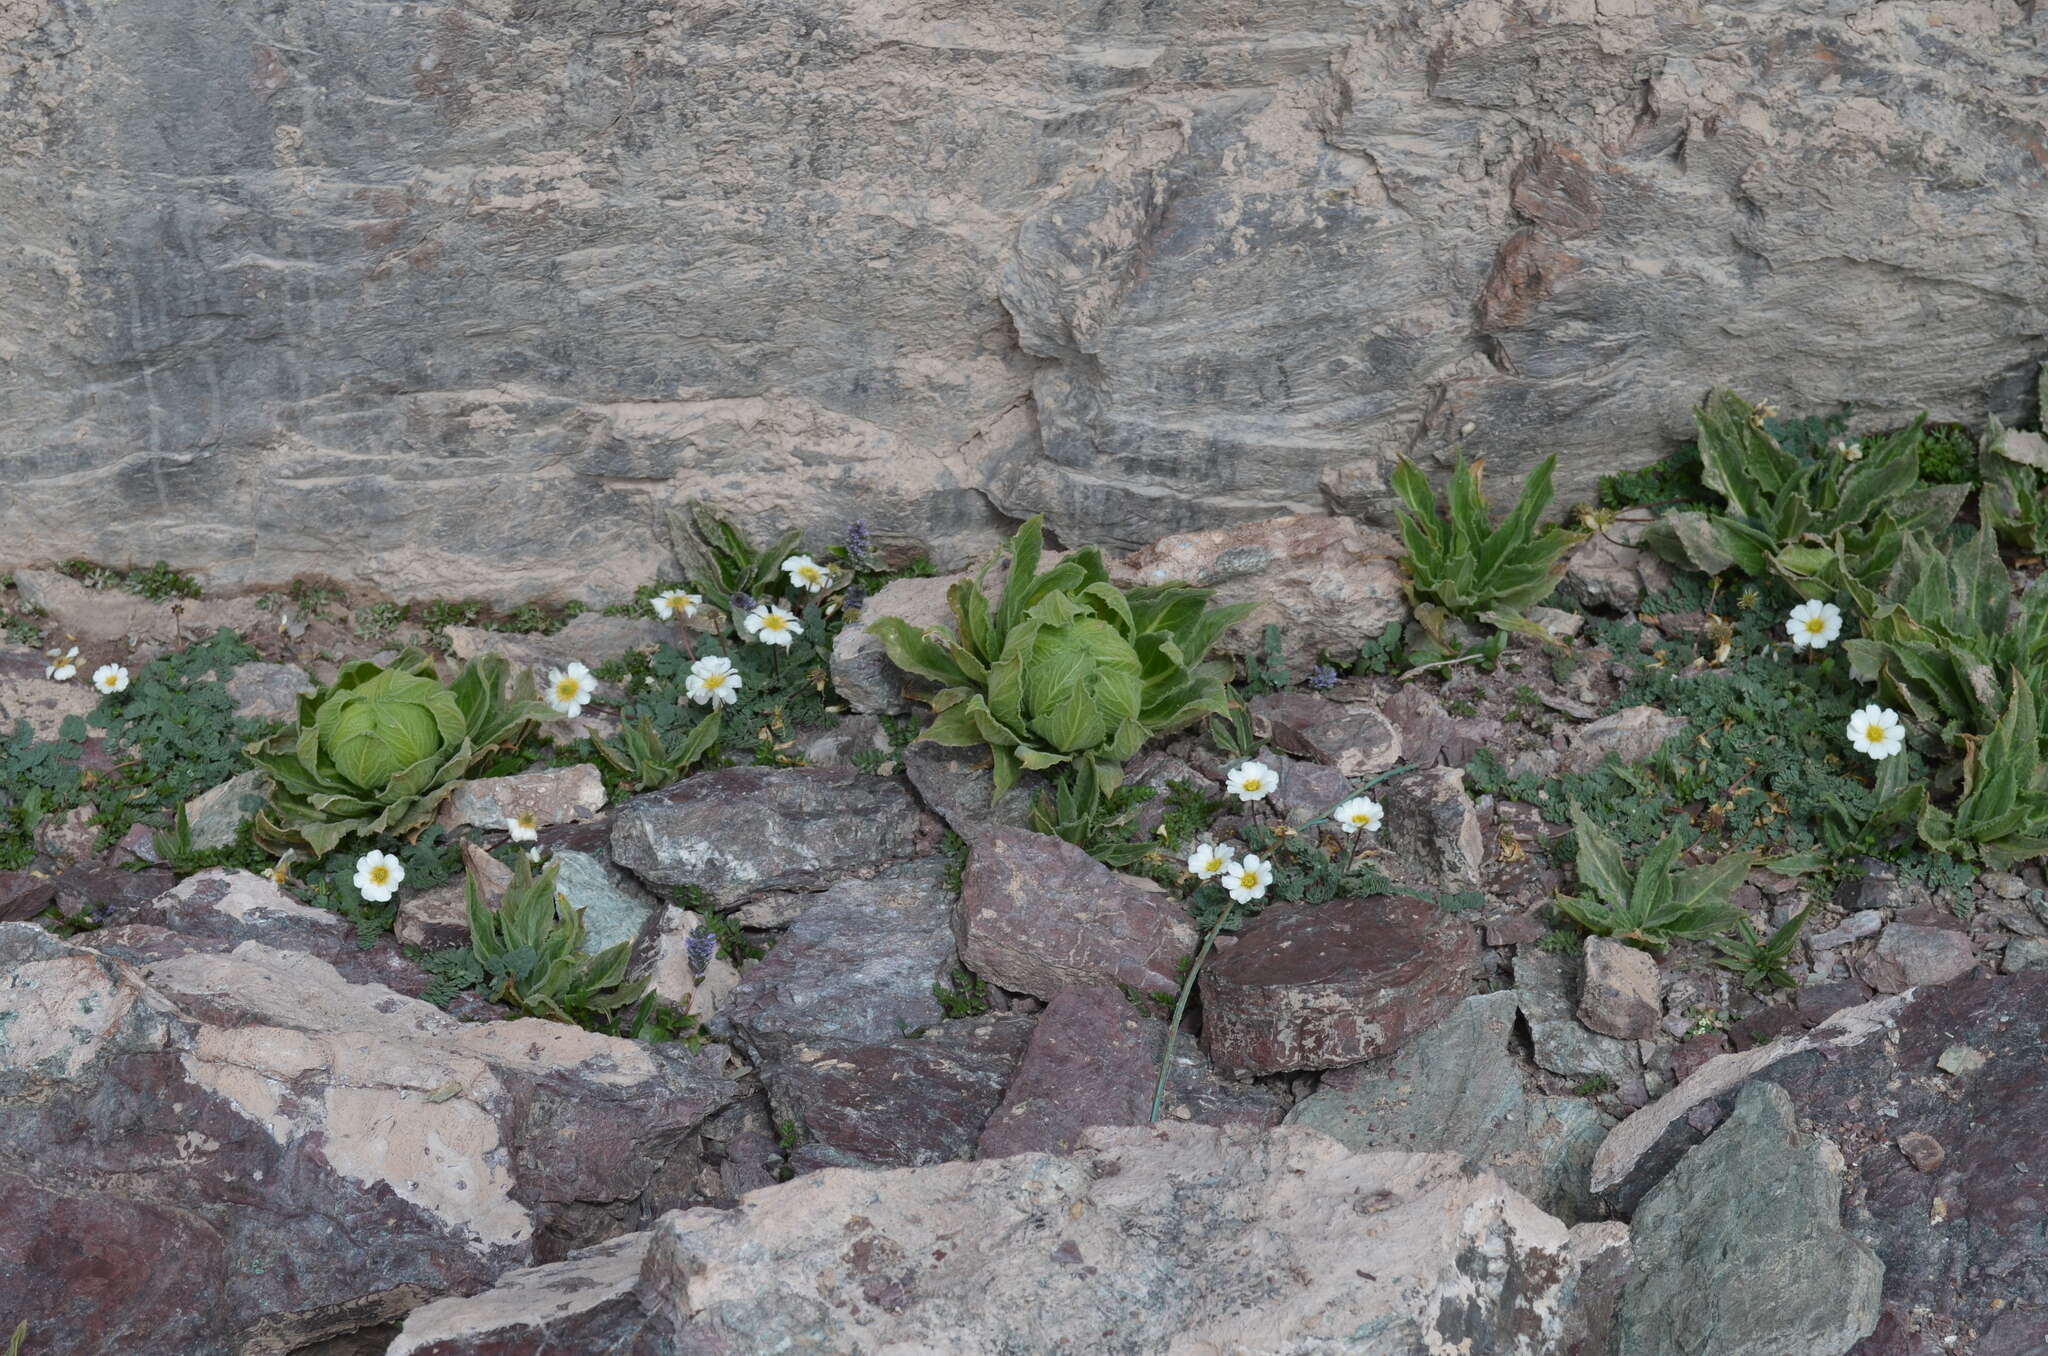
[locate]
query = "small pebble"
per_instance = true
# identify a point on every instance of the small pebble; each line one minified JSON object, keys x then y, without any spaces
{"x":1922,"y":1150}
{"x":1960,"y":1060}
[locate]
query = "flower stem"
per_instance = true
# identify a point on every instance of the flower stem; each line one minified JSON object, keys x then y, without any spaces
{"x":1180,"y":1007}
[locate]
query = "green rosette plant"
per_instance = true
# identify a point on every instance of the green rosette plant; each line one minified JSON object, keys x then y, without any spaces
{"x":1461,"y":565}
{"x":377,"y":752}
{"x":1065,"y":667}
{"x":1816,"y":523}
{"x":1941,"y":640}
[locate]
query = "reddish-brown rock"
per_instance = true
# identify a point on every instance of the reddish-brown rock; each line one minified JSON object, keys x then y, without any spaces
{"x":1356,"y":740}
{"x":1038,"y":915}
{"x":1321,"y":986}
{"x":1094,"y":1060}
{"x":900,"y":1103}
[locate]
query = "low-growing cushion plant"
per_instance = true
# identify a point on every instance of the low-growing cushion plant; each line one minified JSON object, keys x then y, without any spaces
{"x":1460,"y":565}
{"x":377,"y":752}
{"x":1066,"y":667}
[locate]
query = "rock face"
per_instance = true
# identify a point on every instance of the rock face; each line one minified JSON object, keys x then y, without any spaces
{"x":1741,"y":1250}
{"x":1038,"y":915}
{"x":1163,"y":1239}
{"x":745,"y":831}
{"x":1149,"y":271}
{"x":1960,"y":1065}
{"x":1321,"y":986}
{"x":245,"y":1146}
{"x":1457,"y":1088}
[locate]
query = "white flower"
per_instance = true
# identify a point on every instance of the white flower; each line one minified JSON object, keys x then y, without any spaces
{"x":63,"y":664}
{"x":712,"y":682}
{"x":110,"y":678}
{"x":1252,"y":781}
{"x":570,"y":689}
{"x":1210,"y":860}
{"x":1247,"y":879}
{"x":772,"y":625}
{"x":534,"y":854}
{"x":674,"y":601}
{"x":1812,"y":625}
{"x":1877,"y":731}
{"x":1360,"y":812}
{"x":378,"y":875}
{"x":523,"y":827}
{"x":1851,"y":451}
{"x":807,"y":574}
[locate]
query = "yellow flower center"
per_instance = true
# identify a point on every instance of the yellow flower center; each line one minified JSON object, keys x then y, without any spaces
{"x":1875,"y":734}
{"x":1213,"y":864}
{"x":771,"y":623}
{"x":713,"y":681}
{"x":1816,"y":625}
{"x":1248,"y":880}
{"x":528,"y":822}
{"x":379,"y":875}
{"x":1252,"y":783}
{"x":567,"y":689}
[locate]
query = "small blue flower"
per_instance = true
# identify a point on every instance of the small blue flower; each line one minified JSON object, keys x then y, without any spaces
{"x":859,"y":544}
{"x":742,"y":602}
{"x":700,"y":947}
{"x":1322,"y":677}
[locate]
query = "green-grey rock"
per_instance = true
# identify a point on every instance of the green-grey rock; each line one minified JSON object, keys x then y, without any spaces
{"x":217,"y":815}
{"x":1458,"y":1088}
{"x":1741,"y":1250}
{"x":613,"y":910}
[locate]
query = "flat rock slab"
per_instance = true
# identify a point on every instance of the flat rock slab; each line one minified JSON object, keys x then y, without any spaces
{"x":745,"y":831}
{"x":857,"y":967}
{"x":897,"y":1103}
{"x":115,"y":615}
{"x":217,"y":910}
{"x":1038,"y":915}
{"x":269,"y":691}
{"x":1158,"y":1239}
{"x":1094,"y":1060}
{"x":553,"y":795}
{"x":26,"y":695}
{"x":1322,"y":986}
{"x":1938,"y":1101}
{"x":1741,"y":1250}
{"x":297,"y":1154}
{"x":1458,"y":1088}
{"x":591,"y":639}
{"x":1356,"y":740}
{"x":1908,"y":955}
{"x":1631,"y":734}
{"x":957,"y":785}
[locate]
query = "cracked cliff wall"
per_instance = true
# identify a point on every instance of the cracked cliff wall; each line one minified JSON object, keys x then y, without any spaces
{"x":460,"y":297}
